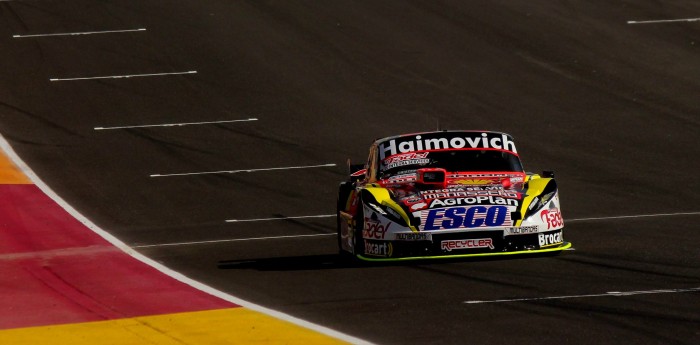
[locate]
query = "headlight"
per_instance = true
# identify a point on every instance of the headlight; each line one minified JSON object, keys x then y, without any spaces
{"x":541,"y":200}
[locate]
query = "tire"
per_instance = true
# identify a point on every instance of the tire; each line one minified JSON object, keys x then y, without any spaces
{"x":343,"y":192}
{"x":357,"y":240}
{"x":343,"y":253}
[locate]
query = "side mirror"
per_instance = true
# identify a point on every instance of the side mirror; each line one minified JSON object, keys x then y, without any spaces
{"x":548,"y":173}
{"x":357,"y":171}
{"x":358,"y":175}
{"x":432,"y":176}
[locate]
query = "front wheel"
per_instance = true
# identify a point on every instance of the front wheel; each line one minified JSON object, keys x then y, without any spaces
{"x":344,"y":191}
{"x":342,"y":252}
{"x":358,"y":243}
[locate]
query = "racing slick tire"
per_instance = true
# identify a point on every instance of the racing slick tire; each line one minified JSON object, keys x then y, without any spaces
{"x":358,"y":244}
{"x":344,"y":191}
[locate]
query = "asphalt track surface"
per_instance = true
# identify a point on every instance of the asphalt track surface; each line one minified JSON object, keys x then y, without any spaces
{"x":612,"y":107}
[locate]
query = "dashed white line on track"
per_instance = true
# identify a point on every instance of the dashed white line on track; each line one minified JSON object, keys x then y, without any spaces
{"x":333,"y":215}
{"x":176,"y":124}
{"x":662,"y":21}
{"x":607,"y":294}
{"x":123,"y":76}
{"x":245,"y":170}
{"x":635,"y":216}
{"x":278,"y":218}
{"x":79,"y":33}
{"x":231,"y":240}
{"x":567,"y":220}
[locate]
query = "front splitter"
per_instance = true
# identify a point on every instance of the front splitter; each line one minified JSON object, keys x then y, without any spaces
{"x":563,"y":246}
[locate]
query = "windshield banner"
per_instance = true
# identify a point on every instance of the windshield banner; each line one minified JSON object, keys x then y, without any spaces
{"x":446,"y":141}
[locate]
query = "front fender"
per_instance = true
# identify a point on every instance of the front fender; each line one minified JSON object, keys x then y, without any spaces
{"x":538,"y":193}
{"x":382,"y":196}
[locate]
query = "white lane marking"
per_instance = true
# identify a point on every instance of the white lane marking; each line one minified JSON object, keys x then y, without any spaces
{"x":245,"y":170}
{"x":568,"y":220}
{"x":662,"y":21}
{"x":229,"y":240}
{"x":278,"y":218}
{"x":176,"y":124}
{"x":333,"y":215}
{"x":607,"y":294}
{"x":79,"y":33}
{"x":5,"y":146}
{"x":635,"y":216}
{"x":123,"y":76}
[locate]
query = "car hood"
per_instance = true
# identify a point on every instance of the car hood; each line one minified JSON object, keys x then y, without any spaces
{"x":462,"y":191}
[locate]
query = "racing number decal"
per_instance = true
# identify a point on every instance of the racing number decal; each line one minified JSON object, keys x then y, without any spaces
{"x":461,"y":217}
{"x":553,"y":218}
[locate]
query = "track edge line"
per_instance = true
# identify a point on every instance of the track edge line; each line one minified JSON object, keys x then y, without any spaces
{"x":7,"y":148}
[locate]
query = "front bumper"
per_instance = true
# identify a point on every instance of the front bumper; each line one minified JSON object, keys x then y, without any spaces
{"x":464,"y":245}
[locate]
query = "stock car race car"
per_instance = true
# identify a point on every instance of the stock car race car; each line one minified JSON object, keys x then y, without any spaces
{"x":447,"y":194}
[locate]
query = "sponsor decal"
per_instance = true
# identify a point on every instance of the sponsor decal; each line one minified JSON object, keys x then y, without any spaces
{"x":490,"y":200}
{"x":414,"y":236}
{"x":550,"y":239}
{"x":473,"y":181}
{"x":465,"y":193}
{"x":406,"y":157}
{"x":451,"y":245}
{"x":413,"y":158}
{"x":478,"y":188}
{"x":402,"y":178}
{"x":378,"y":249}
{"x":522,"y":230}
{"x":412,"y":199}
{"x":418,"y":206}
{"x":374,"y":229}
{"x":444,"y":141}
{"x":465,"y":217}
{"x":552,"y":217}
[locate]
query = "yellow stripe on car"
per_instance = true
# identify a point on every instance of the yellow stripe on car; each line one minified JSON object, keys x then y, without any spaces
{"x":535,"y":187}
{"x":383,"y":197}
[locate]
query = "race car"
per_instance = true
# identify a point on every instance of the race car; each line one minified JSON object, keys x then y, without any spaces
{"x":447,"y":194}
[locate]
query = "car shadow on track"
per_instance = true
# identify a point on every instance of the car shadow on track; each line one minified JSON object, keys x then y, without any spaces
{"x":291,"y":263}
{"x":336,"y":261}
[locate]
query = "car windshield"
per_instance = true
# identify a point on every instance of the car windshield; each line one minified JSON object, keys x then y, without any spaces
{"x":452,"y":161}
